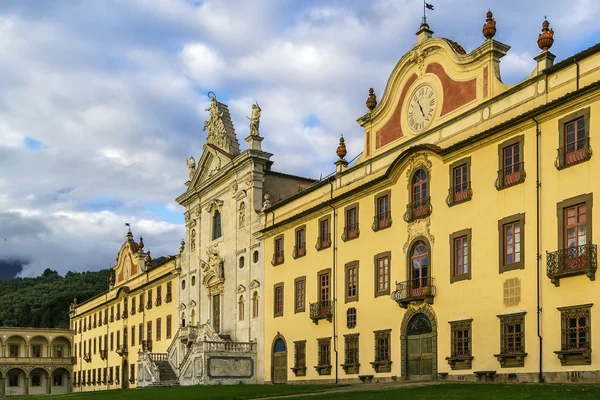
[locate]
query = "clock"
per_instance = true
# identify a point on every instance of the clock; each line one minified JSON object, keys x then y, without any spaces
{"x":421,"y":108}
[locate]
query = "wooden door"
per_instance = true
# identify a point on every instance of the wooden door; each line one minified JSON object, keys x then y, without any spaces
{"x":279,"y":362}
{"x":216,"y":303}
{"x":420,"y":356}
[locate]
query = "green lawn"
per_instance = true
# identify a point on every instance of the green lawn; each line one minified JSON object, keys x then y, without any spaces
{"x":457,"y":391}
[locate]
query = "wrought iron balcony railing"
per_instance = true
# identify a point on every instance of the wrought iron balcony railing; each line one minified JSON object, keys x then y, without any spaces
{"x":158,"y":301}
{"x":87,"y":357}
{"x":125,"y":315}
{"x":419,"y":289}
{"x":381,"y":221}
{"x":459,"y":194}
{"x":168,"y":298}
{"x":323,"y":242}
{"x":576,"y":260}
{"x":122,"y":350}
{"x":350,"y":232}
{"x":510,"y":175}
{"x":573,"y":153}
{"x":299,"y":250}
{"x":277,"y":258}
{"x":418,"y":209}
{"x":104,"y":354}
{"x":321,"y":310}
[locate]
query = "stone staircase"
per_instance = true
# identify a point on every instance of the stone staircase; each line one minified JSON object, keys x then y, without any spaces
{"x":167,"y":375}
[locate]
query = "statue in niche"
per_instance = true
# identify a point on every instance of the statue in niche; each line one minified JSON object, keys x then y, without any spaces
{"x":254,"y":119}
{"x":193,"y":240}
{"x":191,"y":163}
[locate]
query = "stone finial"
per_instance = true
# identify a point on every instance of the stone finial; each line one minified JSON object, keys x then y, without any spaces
{"x":181,"y":246}
{"x":148,"y":259}
{"x":341,"y":150}
{"x":141,"y":244}
{"x":371,"y":100}
{"x":489,"y":28}
{"x":546,"y":38}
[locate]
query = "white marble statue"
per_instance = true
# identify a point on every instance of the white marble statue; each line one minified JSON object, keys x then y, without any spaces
{"x":254,"y":119}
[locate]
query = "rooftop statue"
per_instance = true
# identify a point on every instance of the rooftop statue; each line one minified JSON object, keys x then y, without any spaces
{"x":254,"y":119}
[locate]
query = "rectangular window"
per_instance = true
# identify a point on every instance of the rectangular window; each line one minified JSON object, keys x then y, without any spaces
{"x":324,"y":238}
{"x":324,"y":356}
{"x":133,"y":336}
{"x":383,"y":217}
{"x":169,"y":327}
{"x":512,"y":238}
{"x":118,"y":339}
{"x":142,"y":303}
{"x":158,"y":329}
{"x":576,"y":337}
{"x":574,"y":139}
{"x":351,"y":228}
{"x":141,"y":333}
{"x":132,"y":372}
{"x":278,"y":303}
{"x":111,"y":374}
{"x":300,"y":358}
{"x":300,"y":294}
{"x":112,"y":341}
{"x":36,"y":351}
{"x":149,"y":304}
{"x":512,"y":340}
{"x":158,"y":295}
{"x":118,"y":311}
{"x":460,"y":264}
{"x":149,"y":330}
{"x":168,"y":297}
{"x":14,"y":350}
{"x":351,"y":318}
{"x":461,"y":338}
{"x":118,"y":372}
{"x":324,"y":287}
{"x":382,"y":274}
{"x":382,"y":361}
{"x":95,"y":346}
{"x":278,"y":255}
{"x":351,"y":290}
{"x":300,"y":244}
{"x":575,"y":229}
{"x":460,"y":185}
{"x":511,"y":168}
{"x":133,"y":310}
{"x":13,"y":380}
{"x":351,"y":350}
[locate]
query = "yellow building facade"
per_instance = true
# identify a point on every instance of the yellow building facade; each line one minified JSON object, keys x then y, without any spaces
{"x":459,"y":245}
{"x":35,"y":361}
{"x":137,"y":316}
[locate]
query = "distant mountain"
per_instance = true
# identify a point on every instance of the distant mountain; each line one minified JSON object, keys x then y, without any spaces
{"x":10,"y":268}
{"x":43,"y":302}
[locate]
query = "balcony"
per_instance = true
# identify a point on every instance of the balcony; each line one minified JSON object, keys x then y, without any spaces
{"x":168,"y":298}
{"x":323,"y":242}
{"x":350,"y":232}
{"x":299,"y":250}
{"x":510,"y":176}
{"x":277,"y":258}
{"x":37,"y":361}
{"x":158,"y":301}
{"x":573,"y":153}
{"x":94,"y":325}
{"x":418,"y":209}
{"x":188,"y":333}
{"x":141,"y":308}
{"x":111,"y":319}
{"x":579,"y":260}
{"x":415,"y":290}
{"x":105,"y":320}
{"x":125,"y":315}
{"x":459,"y":194}
{"x":87,"y":357}
{"x":122,"y":350}
{"x":382,"y":221}
{"x":321,"y":310}
{"x":103,"y":354}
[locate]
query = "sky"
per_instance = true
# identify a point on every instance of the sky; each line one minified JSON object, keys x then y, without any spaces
{"x":102,"y":101}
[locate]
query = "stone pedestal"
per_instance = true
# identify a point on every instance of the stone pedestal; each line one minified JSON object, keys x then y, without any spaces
{"x":340,"y":166}
{"x":254,"y":142}
{"x":544,"y":60}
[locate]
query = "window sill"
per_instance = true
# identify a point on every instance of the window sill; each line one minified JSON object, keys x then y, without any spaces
{"x":351,"y":235}
{"x":460,"y":362}
{"x":574,"y":357}
{"x":382,"y":366}
{"x":512,"y":267}
{"x":461,"y":277}
{"x":351,"y":368}
{"x":511,"y":360}
{"x":323,"y":369}
{"x":299,"y":371}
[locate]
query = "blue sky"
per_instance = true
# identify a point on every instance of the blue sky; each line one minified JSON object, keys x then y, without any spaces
{"x":101,"y":102}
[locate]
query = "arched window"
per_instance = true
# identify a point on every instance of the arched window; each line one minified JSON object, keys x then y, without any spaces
{"x":183,"y":319}
{"x":242,"y":262}
{"x":242,"y":215}
{"x":241,"y":308}
{"x":193,"y":281}
{"x":255,"y":256}
{"x":419,"y":324}
{"x":420,"y":193}
{"x":419,"y":265}
{"x":216,"y":225}
{"x":183,"y":284}
{"x":279,"y":346}
{"x":255,"y":305}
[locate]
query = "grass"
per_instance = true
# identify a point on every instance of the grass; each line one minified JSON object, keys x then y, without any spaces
{"x":457,"y":391}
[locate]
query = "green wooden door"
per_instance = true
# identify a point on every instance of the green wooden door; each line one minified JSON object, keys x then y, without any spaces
{"x":420,"y":356}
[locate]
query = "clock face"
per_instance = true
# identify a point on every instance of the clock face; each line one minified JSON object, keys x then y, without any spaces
{"x":421,"y":108}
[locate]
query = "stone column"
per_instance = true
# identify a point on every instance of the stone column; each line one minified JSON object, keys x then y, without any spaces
{"x":69,"y":386}
{"x":48,"y":384}
{"x":26,"y":383}
{"x":2,"y":390}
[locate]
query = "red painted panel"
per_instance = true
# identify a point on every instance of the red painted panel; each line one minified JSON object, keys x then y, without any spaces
{"x":456,"y":93}
{"x":392,"y":130}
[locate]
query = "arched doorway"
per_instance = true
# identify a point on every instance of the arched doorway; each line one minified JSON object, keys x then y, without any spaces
{"x":419,"y":344}
{"x":125,"y":374}
{"x":279,"y":361}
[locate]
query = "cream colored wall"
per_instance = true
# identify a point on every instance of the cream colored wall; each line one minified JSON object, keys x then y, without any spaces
{"x":140,"y":284}
{"x":480,"y":298}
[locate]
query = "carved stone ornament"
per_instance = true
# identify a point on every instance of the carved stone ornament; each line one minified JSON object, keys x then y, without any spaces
{"x":416,"y":161}
{"x":233,"y":187}
{"x":193,"y":240}
{"x":182,"y":307}
{"x":240,"y":289}
{"x":215,"y":125}
{"x":254,"y":284}
{"x":187,"y":216}
{"x":419,"y":228}
{"x":191,"y":163}
{"x":249,"y":181}
{"x":215,"y":204}
{"x":212,"y":267}
{"x":417,"y":56}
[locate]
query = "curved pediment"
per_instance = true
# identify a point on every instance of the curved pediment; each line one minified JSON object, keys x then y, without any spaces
{"x":128,"y":260}
{"x":434,"y":82}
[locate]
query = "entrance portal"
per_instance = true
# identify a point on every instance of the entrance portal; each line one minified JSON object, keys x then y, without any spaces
{"x":419,"y":344}
{"x":279,"y":361}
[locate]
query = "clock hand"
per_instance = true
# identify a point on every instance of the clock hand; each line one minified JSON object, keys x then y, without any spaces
{"x":421,"y":108}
